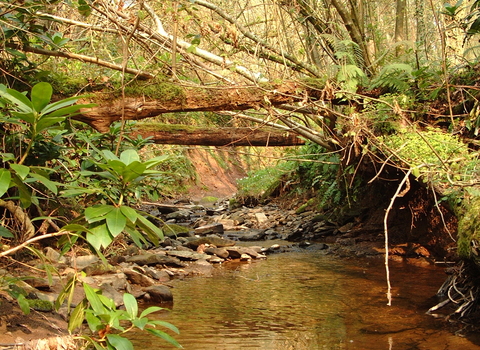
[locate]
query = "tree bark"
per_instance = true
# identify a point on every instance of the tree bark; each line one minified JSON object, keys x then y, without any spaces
{"x":186,"y":99}
{"x":220,"y":137}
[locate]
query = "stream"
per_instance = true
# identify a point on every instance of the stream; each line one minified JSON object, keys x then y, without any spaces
{"x":307,"y":300}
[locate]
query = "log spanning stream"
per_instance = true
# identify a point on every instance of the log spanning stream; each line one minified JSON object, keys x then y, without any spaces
{"x":306,"y":301}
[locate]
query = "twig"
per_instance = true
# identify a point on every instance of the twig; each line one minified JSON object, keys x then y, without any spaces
{"x":385,"y":224}
{"x":33,"y":240}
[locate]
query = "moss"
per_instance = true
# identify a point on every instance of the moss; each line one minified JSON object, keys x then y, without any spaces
{"x":148,"y":126}
{"x":174,"y":229}
{"x":208,"y":200}
{"x":469,"y":226}
{"x":40,"y":305}
{"x":156,"y":89}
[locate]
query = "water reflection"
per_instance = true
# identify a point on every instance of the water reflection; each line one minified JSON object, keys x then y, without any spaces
{"x":307,"y":301}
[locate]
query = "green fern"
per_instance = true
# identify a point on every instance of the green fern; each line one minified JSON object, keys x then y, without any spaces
{"x":395,"y":77}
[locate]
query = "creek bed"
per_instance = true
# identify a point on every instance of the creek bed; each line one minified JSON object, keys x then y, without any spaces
{"x":304,"y":301}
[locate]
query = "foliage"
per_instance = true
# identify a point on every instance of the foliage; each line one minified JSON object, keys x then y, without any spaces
{"x":257,"y":183}
{"x":105,"y":321}
{"x":395,"y":77}
{"x":469,"y":225}
{"x":434,"y":156}
{"x":108,"y":186}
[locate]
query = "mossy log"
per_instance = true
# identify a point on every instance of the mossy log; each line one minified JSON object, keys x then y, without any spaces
{"x":189,"y":135}
{"x":171,"y":98}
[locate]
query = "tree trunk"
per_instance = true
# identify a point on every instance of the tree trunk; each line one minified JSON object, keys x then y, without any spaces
{"x":174,"y":98}
{"x":187,"y":135}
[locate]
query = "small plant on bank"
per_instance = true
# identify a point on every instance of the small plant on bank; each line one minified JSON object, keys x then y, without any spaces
{"x":107,"y":185}
{"x":109,"y":325}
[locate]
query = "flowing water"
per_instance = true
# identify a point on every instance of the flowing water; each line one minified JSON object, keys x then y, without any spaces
{"x":306,"y":301}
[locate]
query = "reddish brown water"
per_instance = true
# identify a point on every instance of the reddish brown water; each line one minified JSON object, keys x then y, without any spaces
{"x":306,"y":301}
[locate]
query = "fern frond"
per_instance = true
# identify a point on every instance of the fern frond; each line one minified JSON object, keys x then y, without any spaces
{"x":396,"y":77}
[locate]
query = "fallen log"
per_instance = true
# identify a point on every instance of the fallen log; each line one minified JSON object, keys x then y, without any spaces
{"x":171,"y":98}
{"x":225,"y":136}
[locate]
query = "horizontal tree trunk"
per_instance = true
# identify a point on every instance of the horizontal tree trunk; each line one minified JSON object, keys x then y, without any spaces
{"x":220,"y":136}
{"x":173,"y":98}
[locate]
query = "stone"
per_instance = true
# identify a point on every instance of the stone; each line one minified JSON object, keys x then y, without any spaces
{"x":220,"y":252}
{"x":245,"y":257}
{"x":211,"y":228}
{"x":261,"y":218}
{"x":54,"y":256}
{"x":158,"y":294}
{"x":81,"y":262}
{"x":200,"y":267}
{"x":212,"y":240}
{"x":98,"y":268}
{"x":138,"y":278}
{"x":180,"y":215}
{"x":155,"y":259}
{"x":186,"y":255}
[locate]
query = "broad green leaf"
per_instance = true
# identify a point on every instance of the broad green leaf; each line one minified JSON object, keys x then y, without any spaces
{"x":116,"y":221}
{"x":153,"y":232}
{"x":41,"y":95}
{"x":119,"y":343}
{"x":21,"y":170}
{"x":131,"y":305}
{"x":94,"y":300}
{"x":166,"y":325}
{"x":150,"y":310}
{"x":69,"y":110}
{"x":94,"y":322}
{"x":74,"y":228}
{"x":26,"y":117}
{"x":128,"y":156}
{"x":130,"y":213}
{"x":165,"y":337}
{"x":155,"y":161}
{"x":79,"y":191}
{"x":52,"y":107}
{"x":77,"y":316}
{"x":26,"y":197}
{"x":17,"y":98}
{"x":117,"y":166}
{"x":46,"y":122}
{"x":52,"y":186}
{"x":109,"y":155}
{"x":99,"y":237}
{"x":132,"y":171}
{"x":23,"y":303}
{"x":4,"y":232}
{"x":109,"y":303}
{"x":140,"y":323}
{"x":5,"y":178}
{"x":97,"y":211}
{"x":136,"y":236}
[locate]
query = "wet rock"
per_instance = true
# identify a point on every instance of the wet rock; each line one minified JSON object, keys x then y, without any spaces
{"x":81,"y":262}
{"x":180,"y":215}
{"x":213,"y":259}
{"x":159,"y":275}
{"x":154,"y":259}
{"x":138,"y":278}
{"x":211,"y":228}
{"x":200,"y":268}
{"x":158,"y":294}
{"x":98,"y":268}
{"x":245,"y":257}
{"x":220,"y":252}
{"x":212,"y":240}
{"x":186,"y":255}
{"x":317,"y":246}
{"x":54,"y":256}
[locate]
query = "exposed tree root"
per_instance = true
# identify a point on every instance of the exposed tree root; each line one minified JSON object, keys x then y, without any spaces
{"x":461,"y":290}
{"x":21,"y":217}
